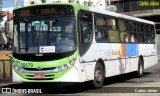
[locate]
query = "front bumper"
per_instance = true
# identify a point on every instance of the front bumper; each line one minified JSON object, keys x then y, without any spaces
{"x":69,"y":75}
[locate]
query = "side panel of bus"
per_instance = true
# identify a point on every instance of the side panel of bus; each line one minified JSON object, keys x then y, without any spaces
{"x":118,"y":57}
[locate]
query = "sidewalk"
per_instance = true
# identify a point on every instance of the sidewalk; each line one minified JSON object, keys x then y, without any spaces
{"x":5,"y":82}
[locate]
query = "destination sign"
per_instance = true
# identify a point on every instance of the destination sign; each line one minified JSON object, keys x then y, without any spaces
{"x":45,"y":10}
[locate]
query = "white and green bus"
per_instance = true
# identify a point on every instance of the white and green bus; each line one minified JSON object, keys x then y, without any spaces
{"x":66,"y":42}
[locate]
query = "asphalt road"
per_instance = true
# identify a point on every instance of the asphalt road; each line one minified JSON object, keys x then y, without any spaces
{"x":121,"y":85}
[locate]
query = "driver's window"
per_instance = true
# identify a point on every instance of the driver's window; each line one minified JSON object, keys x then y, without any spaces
{"x":85,"y":31}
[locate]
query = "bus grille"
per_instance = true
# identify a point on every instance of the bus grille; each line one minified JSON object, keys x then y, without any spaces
{"x":36,"y":69}
{"x":40,"y":79}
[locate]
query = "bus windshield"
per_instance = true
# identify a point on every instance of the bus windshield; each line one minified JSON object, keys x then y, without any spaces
{"x":44,"y":36}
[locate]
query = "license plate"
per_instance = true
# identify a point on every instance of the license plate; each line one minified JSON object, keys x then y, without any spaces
{"x":39,"y":76}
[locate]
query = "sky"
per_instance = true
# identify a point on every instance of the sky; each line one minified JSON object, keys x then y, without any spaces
{"x":10,"y":3}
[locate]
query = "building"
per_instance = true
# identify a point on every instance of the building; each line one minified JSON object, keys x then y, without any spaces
{"x":6,"y":15}
{"x":146,"y":9}
{"x":3,"y":40}
{"x":9,"y":9}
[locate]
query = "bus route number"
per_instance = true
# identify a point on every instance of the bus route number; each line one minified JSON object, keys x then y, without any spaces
{"x":27,"y":65}
{"x":24,"y":13}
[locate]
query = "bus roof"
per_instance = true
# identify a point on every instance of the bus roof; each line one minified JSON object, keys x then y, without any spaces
{"x":118,"y":15}
{"x":32,"y":5}
{"x":97,"y":10}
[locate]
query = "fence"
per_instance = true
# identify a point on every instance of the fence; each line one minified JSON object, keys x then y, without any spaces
{"x":5,"y":66}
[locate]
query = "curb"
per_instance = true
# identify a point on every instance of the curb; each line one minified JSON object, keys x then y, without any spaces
{"x":5,"y":82}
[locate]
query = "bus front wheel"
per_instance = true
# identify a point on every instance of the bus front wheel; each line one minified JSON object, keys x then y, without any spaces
{"x":98,"y":76}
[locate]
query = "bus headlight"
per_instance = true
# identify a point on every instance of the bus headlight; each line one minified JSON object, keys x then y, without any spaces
{"x":66,"y":66}
{"x":60,"y":68}
{"x":18,"y":68}
{"x":72,"y":62}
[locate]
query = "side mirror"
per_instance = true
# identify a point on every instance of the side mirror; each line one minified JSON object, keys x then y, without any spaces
{"x":7,"y":30}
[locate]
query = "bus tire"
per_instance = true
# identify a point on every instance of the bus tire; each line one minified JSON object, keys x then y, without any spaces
{"x":140,"y":68}
{"x":98,"y":76}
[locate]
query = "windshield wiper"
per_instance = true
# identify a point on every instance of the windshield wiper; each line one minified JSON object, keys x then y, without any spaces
{"x":26,"y":21}
{"x":53,"y":22}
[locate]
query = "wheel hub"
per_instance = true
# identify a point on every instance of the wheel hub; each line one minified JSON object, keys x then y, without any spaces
{"x":98,"y":76}
{"x":141,"y":69}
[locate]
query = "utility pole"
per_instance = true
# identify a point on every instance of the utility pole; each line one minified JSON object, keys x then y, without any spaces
{"x":15,"y":4}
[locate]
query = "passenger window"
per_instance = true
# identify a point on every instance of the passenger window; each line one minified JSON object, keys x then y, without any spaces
{"x":132,"y":27}
{"x":141,"y":38}
{"x":124,"y":37}
{"x":101,"y":21}
{"x":126,"y":28}
{"x":149,"y":34}
{"x":152,"y":34}
{"x":113,"y":24}
{"x":101,"y":35}
{"x":113,"y":30}
{"x":114,"y":36}
{"x":101,"y":25}
{"x":133,"y":37}
{"x":121,"y":24}
{"x":142,"y":28}
{"x":124,"y":33}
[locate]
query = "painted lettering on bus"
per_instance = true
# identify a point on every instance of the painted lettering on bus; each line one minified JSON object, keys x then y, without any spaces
{"x":115,"y":52}
{"x":30,"y":65}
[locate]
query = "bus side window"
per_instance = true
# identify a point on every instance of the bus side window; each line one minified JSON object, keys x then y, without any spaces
{"x":101,"y":25}
{"x":123,"y":32}
{"x":141,"y":38}
{"x":149,"y":34}
{"x":152,"y":34}
{"x":113,"y":30}
{"x":85,"y":31}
